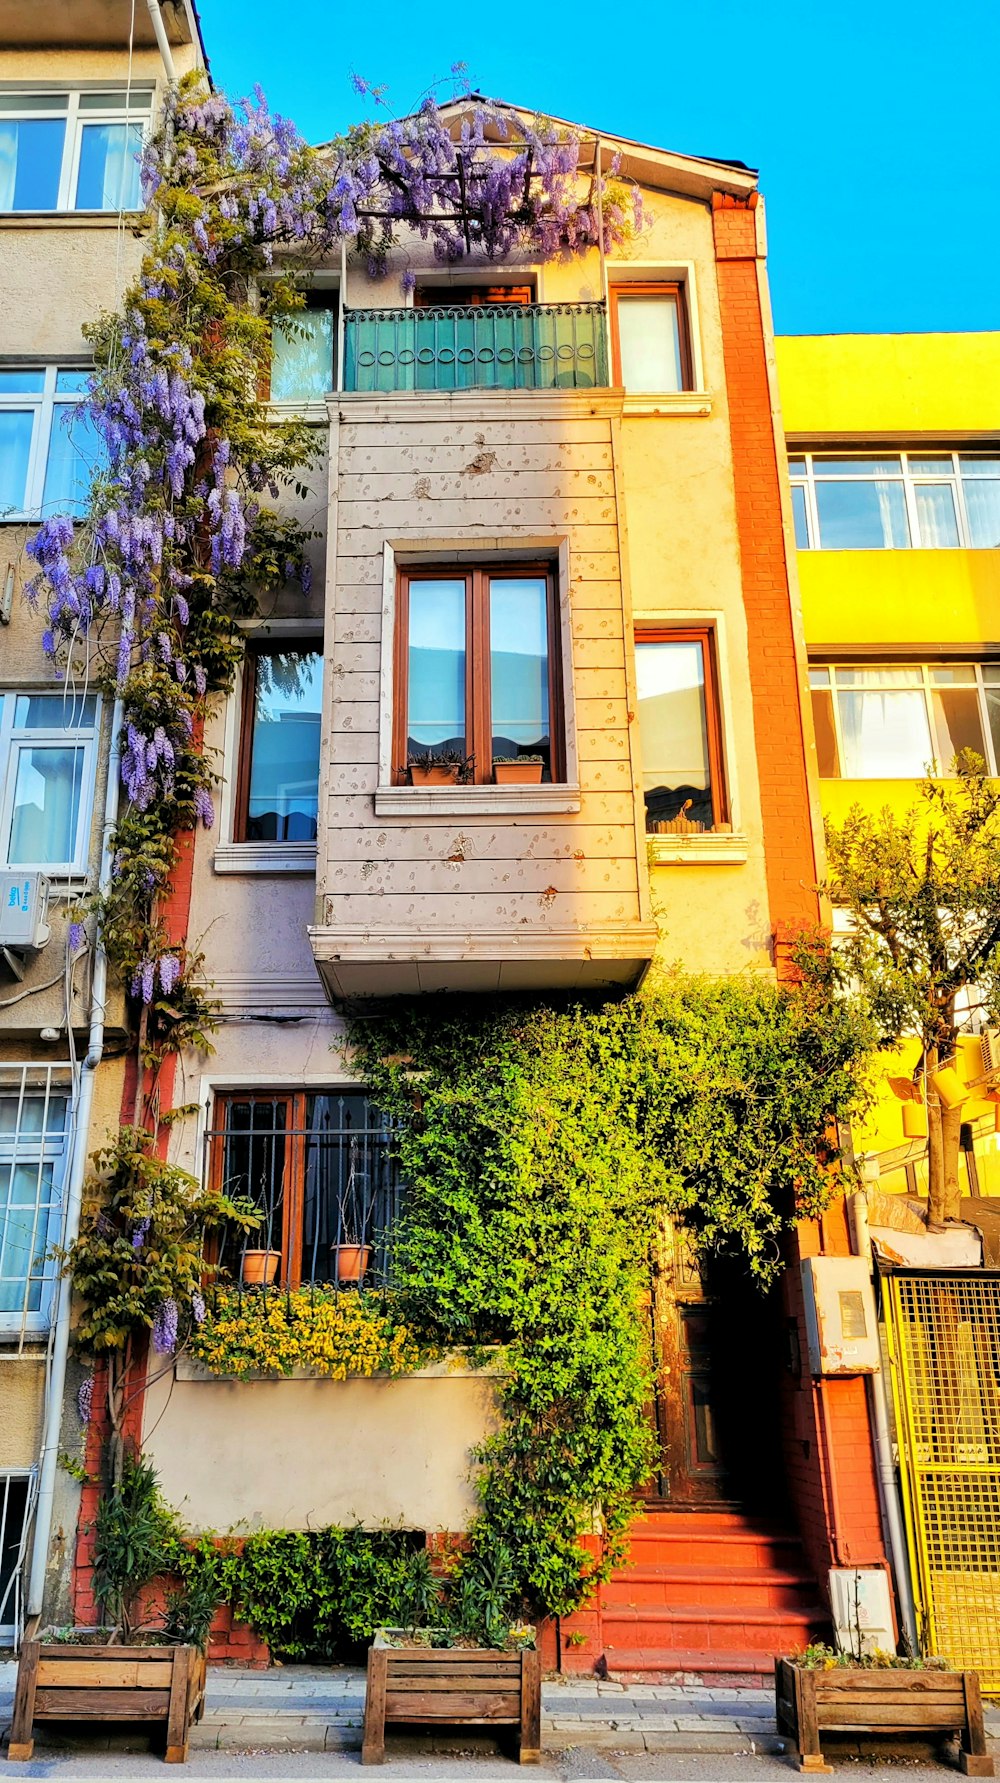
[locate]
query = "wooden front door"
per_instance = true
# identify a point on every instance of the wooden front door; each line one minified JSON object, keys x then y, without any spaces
{"x":716,"y":1409}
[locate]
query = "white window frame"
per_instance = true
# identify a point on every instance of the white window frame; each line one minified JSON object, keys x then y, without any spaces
{"x":14,"y":738}
{"x":986,"y":674}
{"x":46,"y":406}
{"x":128,"y":112}
{"x":31,"y":1083}
{"x":12,"y":1600}
{"x":909,"y":479}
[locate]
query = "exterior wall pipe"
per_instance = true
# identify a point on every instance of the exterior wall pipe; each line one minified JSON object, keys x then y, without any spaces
{"x":888,"y":1485}
{"x":159,"y":32}
{"x":74,"y":1196}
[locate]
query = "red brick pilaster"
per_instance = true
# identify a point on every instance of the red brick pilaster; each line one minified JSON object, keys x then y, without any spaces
{"x":774,"y":674}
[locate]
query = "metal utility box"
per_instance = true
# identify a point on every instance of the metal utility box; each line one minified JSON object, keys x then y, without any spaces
{"x":862,"y":1610}
{"x":840,"y":1316}
{"x":24,"y":903}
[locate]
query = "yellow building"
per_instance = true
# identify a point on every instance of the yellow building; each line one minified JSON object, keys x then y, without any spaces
{"x":894,"y":464}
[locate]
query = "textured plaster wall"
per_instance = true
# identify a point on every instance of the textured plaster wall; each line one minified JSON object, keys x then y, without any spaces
{"x":298,"y":1454}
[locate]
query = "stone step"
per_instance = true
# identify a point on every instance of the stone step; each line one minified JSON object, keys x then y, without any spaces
{"x":689,"y":1628}
{"x":739,"y":1668}
{"x":709,"y":1587}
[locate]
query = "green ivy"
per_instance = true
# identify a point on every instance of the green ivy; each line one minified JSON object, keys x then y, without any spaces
{"x":543,"y":1148}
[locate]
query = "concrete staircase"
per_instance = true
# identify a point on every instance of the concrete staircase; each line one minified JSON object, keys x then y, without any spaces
{"x":707,"y":1596}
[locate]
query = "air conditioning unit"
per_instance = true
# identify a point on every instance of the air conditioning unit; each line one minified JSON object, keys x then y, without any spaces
{"x":24,"y":904}
{"x":989,"y":1040}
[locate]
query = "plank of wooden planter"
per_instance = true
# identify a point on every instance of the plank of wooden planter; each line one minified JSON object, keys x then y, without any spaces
{"x":444,"y":1656}
{"x":530,"y":1733}
{"x":101,"y":1705}
{"x":106,"y":1673}
{"x":22,"y":1745}
{"x":452,"y":1705}
{"x":892,"y":1715}
{"x":453,"y":1680}
{"x":906,"y":1683}
{"x":76,"y":1650}
{"x":373,"y":1741}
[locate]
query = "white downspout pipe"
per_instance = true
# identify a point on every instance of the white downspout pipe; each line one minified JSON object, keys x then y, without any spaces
{"x":74,"y":1196}
{"x":888,"y":1487}
{"x":159,"y":31}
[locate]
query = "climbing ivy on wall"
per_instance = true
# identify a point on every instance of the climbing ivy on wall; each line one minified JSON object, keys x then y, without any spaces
{"x":542,"y":1148}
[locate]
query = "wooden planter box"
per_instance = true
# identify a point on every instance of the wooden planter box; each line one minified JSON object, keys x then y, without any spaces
{"x":468,"y":1686}
{"x":842,"y":1700}
{"x":63,"y":1681}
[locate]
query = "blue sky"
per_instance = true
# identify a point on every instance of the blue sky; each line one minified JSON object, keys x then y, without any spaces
{"x":874,"y":122}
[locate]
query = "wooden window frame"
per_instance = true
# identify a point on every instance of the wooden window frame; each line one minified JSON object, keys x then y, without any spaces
{"x":437,"y":297}
{"x":657,"y":288}
{"x":705,"y":636}
{"x":255,"y":649}
{"x":478,"y":729}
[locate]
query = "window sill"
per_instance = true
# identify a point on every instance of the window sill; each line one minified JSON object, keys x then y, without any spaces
{"x":722,"y":846}
{"x":265,"y":857}
{"x":667,"y":402}
{"x":312,"y":410}
{"x":475,"y":801}
{"x":67,"y":219}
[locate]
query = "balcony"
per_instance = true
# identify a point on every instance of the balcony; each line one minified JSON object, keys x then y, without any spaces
{"x":554,"y":346}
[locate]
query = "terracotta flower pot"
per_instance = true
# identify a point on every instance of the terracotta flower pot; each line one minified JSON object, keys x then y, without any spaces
{"x":438,"y":774}
{"x":260,"y":1268}
{"x":517,"y":773}
{"x":351,"y":1261}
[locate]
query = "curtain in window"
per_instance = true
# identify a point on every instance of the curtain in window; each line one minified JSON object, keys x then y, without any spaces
{"x":886,"y":735}
{"x":30,"y":163}
{"x":982,"y":504}
{"x":25,"y":1198}
{"x":938,"y":519}
{"x":75,"y":452}
{"x":109,"y":171}
{"x":47,"y":793}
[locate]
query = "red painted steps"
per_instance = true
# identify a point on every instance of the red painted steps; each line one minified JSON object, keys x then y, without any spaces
{"x":713,"y":1594}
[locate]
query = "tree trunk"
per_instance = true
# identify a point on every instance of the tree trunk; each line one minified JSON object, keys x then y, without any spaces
{"x":951,"y":1132}
{"x":935,"y":1150}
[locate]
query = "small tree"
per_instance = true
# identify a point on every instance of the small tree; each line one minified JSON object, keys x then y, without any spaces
{"x":924,"y":893}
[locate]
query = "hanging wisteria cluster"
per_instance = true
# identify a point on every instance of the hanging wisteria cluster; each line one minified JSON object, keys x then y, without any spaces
{"x":179,"y":543}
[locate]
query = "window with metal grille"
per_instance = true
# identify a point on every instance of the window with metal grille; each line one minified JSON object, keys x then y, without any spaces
{"x":318,"y":1167}
{"x":34,"y":1104}
{"x":15,"y":1508}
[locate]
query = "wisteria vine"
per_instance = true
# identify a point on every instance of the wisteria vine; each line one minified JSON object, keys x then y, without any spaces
{"x":179,"y":544}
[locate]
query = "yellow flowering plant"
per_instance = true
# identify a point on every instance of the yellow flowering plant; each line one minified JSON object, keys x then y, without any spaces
{"x":250,"y":1332}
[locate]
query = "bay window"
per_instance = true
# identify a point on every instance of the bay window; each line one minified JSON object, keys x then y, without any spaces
{"x":679,"y":730}
{"x":317,"y":1166}
{"x":49,"y":446}
{"x":931,"y":500}
{"x":48,"y":749}
{"x":72,"y":151}
{"x":277,"y":784}
{"x":649,"y":337}
{"x":902,"y":721}
{"x":477,"y":669}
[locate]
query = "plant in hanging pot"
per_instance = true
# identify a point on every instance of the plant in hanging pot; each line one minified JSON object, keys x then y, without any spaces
{"x":259,"y":1268}
{"x":438,"y":767}
{"x":518,"y":770}
{"x":350,"y":1260}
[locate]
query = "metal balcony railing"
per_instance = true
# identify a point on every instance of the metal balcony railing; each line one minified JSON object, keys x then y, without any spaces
{"x":505,"y":346}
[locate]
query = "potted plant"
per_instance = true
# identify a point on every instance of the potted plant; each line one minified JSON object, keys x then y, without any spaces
{"x":351,"y":1260}
{"x":438,"y":767}
{"x":878,"y":1693}
{"x":518,"y":770}
{"x":259,"y":1268}
{"x":129,"y":1670}
{"x":461,"y":1656}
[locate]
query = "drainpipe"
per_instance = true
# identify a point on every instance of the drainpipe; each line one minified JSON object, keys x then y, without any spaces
{"x":74,"y":1196}
{"x":159,"y":32}
{"x":888,"y":1486}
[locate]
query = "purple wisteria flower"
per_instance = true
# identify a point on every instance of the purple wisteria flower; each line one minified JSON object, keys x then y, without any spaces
{"x":165,"y":1327}
{"x":198,"y":1308}
{"x":85,"y":1399}
{"x":140,"y":1233}
{"x":77,"y":936}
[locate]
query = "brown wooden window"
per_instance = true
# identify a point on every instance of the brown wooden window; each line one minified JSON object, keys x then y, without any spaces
{"x":680,"y":730}
{"x":650,"y":337}
{"x":427,"y":297}
{"x":317,"y":1166}
{"x":477,"y":669}
{"x":277,"y":779}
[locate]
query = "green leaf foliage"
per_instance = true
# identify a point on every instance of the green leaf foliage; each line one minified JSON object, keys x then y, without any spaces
{"x":543,"y":1148}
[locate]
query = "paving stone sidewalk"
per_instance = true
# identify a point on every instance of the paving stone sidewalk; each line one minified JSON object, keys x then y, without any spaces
{"x":313,"y":1709}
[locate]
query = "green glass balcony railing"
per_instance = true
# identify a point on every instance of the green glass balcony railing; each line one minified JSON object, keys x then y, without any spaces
{"x":504,"y":346}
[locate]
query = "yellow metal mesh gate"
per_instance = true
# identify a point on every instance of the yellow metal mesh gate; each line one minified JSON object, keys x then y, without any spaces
{"x":944,"y":1337}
